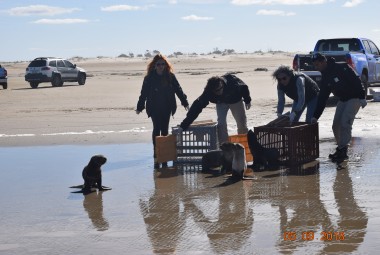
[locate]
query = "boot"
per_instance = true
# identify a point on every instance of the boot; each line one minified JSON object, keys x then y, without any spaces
{"x":156,"y":164}
{"x":341,"y":156}
{"x":333,"y":156}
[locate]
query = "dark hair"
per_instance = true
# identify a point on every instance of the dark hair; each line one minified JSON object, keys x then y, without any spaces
{"x":318,"y":57}
{"x":283,"y":70}
{"x":213,"y":83}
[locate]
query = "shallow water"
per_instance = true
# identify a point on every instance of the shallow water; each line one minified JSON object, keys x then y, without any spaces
{"x":179,"y":210}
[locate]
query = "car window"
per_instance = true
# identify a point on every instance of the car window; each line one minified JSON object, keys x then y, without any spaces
{"x":366,"y":46}
{"x":53,"y":63}
{"x":37,"y":63}
{"x":337,"y":44}
{"x":374,"y":49}
{"x":69,"y":64}
{"x":60,"y":63}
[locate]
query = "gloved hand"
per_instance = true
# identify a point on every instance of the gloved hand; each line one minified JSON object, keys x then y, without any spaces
{"x":187,"y":108}
{"x":363,"y":103}
{"x":247,"y":106}
{"x":137,"y":111}
{"x":292,"y":116}
{"x":313,"y":120}
{"x":179,"y":129}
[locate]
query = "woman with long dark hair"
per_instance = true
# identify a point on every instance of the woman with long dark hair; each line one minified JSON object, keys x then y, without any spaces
{"x":158,"y":97}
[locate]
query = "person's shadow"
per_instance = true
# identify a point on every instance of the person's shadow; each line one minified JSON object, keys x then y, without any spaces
{"x":302,"y":213}
{"x":224,"y":214}
{"x":162,"y":213}
{"x":93,"y":205}
{"x":352,"y":221}
{"x":309,"y":216}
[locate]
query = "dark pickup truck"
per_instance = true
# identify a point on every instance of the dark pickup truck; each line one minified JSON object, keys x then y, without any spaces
{"x":360,"y":53}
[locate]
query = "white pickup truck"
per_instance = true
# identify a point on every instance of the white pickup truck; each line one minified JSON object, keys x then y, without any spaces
{"x":3,"y":77}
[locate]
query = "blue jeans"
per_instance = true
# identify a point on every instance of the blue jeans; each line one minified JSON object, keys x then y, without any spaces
{"x":311,"y":105}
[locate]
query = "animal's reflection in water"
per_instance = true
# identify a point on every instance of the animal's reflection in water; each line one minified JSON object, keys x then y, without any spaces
{"x":93,"y":205}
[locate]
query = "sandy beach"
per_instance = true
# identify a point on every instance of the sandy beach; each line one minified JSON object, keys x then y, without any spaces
{"x":48,"y":134}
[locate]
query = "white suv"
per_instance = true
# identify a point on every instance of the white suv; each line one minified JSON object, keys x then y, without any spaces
{"x":54,"y":70}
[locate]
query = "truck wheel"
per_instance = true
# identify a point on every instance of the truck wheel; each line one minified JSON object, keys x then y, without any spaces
{"x":33,"y":84}
{"x":57,"y":81}
{"x":5,"y":85}
{"x":364,"y":80}
{"x":81,"y":78}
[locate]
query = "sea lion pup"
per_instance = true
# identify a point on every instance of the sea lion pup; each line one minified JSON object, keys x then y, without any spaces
{"x":262,"y":157}
{"x":234,"y":159}
{"x":92,"y":174}
{"x":228,"y":156}
{"x":239,"y":164}
{"x":212,"y":161}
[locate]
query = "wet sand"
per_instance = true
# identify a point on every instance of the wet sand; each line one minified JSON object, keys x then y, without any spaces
{"x":179,"y":210}
{"x":49,"y":134}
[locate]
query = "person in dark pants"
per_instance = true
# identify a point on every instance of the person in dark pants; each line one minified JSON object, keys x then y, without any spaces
{"x":299,"y":87}
{"x":341,"y":80}
{"x":228,"y":92}
{"x":158,"y":97}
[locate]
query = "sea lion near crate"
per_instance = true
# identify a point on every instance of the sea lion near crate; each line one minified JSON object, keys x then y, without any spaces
{"x":267,"y":158}
{"x":220,"y":159}
{"x":234,"y":154}
{"x":213,"y":161}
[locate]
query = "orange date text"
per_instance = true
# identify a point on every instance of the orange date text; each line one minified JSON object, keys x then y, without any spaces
{"x":311,"y":236}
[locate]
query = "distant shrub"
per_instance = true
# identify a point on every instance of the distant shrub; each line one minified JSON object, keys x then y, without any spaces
{"x":261,"y":69}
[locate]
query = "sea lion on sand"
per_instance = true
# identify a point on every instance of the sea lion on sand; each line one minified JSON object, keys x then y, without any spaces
{"x":92,"y":175}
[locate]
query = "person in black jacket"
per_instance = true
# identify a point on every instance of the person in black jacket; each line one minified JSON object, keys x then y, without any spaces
{"x":228,"y":93}
{"x":158,"y":97}
{"x":341,"y":80}
{"x":299,"y":87}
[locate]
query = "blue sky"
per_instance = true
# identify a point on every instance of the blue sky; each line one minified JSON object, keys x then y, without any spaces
{"x":91,"y":28}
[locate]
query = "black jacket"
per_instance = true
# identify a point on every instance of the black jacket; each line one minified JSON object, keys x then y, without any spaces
{"x":234,"y":91}
{"x":150,"y":90}
{"x":341,"y":80}
{"x":311,"y":87}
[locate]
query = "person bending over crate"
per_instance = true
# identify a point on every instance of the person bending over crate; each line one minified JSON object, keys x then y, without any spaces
{"x":228,"y":93}
{"x":341,"y":80}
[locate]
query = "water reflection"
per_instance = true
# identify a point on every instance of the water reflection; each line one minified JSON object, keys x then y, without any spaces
{"x":302,"y":213}
{"x":224,"y":215}
{"x":305,"y":221}
{"x":93,"y":205}
{"x":161,"y":212}
{"x":352,"y":220}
